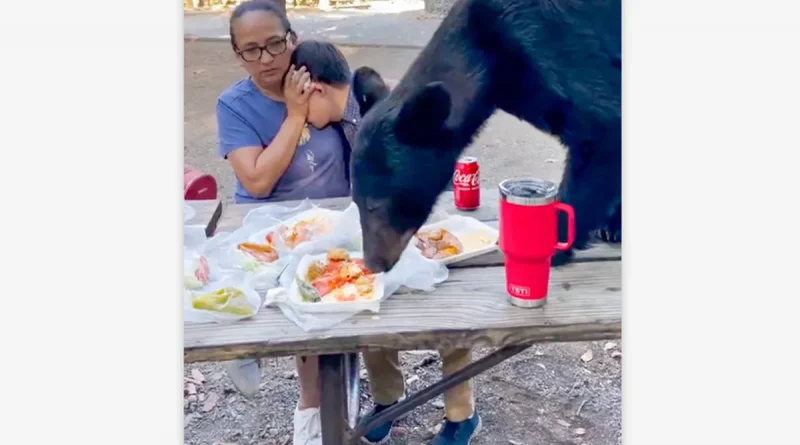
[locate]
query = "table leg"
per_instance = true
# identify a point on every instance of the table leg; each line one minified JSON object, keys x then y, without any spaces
{"x":352,"y":370}
{"x":333,"y":402}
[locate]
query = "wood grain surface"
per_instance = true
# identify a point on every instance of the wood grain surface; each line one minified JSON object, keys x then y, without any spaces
{"x":470,"y":309}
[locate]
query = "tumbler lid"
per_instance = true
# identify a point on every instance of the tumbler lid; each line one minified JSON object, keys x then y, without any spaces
{"x":528,"y":191}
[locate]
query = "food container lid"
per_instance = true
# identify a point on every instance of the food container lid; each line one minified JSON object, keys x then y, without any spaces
{"x":528,"y":191}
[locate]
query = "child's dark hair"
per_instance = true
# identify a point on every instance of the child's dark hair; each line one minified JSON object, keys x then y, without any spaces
{"x":324,"y":62}
{"x":269,"y":6}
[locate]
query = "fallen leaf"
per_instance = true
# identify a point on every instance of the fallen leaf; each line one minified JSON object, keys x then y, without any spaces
{"x":587,"y":356}
{"x":563,"y":423}
{"x":191,"y":380}
{"x":190,"y":389}
{"x":541,"y":365}
{"x":609,"y":345}
{"x":616,"y":354}
{"x":197,"y":375}
{"x":211,"y":402}
{"x":579,"y":431}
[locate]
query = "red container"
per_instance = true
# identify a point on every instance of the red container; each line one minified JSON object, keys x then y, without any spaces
{"x":467,"y":184}
{"x":529,"y":237}
{"x":197,"y":185}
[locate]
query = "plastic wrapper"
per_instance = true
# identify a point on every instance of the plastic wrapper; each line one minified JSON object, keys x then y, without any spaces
{"x":227,"y":300}
{"x":304,"y":227}
{"x":234,"y":253}
{"x":412,"y":271}
{"x":198,"y":268}
{"x":188,"y":212}
{"x":245,"y":248}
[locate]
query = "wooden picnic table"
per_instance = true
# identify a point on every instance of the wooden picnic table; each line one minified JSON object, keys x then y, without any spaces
{"x":468,"y":310}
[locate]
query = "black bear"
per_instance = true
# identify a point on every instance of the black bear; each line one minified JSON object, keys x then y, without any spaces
{"x":553,"y":63}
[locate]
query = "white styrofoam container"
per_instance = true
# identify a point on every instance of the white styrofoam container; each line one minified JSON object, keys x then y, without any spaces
{"x":476,"y":237}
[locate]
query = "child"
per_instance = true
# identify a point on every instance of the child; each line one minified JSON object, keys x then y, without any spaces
{"x":338,"y":98}
{"x":341,"y":100}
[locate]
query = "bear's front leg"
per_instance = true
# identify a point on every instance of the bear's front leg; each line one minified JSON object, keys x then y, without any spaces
{"x":612,"y":231}
{"x":591,"y":187}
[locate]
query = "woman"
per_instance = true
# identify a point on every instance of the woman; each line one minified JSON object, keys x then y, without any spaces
{"x":276,"y":156}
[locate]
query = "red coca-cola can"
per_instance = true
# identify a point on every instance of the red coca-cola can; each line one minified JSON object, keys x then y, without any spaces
{"x":467,"y":184}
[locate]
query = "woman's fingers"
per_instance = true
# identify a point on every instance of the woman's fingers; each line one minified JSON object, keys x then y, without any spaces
{"x":303,"y":83}
{"x":298,"y":74}
{"x":306,"y":92}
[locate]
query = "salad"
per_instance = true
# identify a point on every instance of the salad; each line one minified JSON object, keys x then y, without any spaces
{"x":336,"y":279}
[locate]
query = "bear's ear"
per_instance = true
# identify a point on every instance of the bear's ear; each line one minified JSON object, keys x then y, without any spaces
{"x":369,"y":88}
{"x":422,"y":118}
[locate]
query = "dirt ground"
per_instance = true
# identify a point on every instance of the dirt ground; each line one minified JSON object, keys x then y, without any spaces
{"x":547,"y":395}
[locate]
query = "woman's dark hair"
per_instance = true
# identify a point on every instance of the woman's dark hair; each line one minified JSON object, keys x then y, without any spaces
{"x":269,"y":6}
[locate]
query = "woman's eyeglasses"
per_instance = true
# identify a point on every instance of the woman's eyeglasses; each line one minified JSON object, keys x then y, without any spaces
{"x":274,"y":48}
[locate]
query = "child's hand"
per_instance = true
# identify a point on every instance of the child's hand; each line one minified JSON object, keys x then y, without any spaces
{"x":296,"y":91}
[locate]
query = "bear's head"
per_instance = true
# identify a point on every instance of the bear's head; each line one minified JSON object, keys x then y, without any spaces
{"x":403,"y":159}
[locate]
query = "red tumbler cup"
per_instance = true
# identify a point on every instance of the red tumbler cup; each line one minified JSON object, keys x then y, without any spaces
{"x":529,"y":237}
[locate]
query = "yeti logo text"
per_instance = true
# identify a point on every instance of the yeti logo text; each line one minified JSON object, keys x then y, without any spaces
{"x":522,"y":291}
{"x":466,"y":181}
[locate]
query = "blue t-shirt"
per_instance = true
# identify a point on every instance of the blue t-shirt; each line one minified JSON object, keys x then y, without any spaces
{"x":248,"y":118}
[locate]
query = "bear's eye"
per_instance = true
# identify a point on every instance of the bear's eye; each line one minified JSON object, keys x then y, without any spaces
{"x":372,"y":206}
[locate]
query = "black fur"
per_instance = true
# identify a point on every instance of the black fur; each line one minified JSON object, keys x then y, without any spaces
{"x":368,"y":88}
{"x":553,"y":63}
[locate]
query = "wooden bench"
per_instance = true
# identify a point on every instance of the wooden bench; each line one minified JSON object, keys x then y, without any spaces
{"x":468,"y":310}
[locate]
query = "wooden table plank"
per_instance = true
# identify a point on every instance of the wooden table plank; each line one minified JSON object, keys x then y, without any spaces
{"x":468,"y":310}
{"x":208,"y":214}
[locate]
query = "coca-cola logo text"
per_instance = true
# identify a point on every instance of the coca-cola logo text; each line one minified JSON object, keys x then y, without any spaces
{"x":466,"y":179}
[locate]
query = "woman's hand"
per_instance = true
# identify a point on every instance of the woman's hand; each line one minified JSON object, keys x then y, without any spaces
{"x":296,"y":91}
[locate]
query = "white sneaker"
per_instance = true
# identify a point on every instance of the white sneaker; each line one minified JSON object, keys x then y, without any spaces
{"x":245,"y":375}
{"x":307,"y":427}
